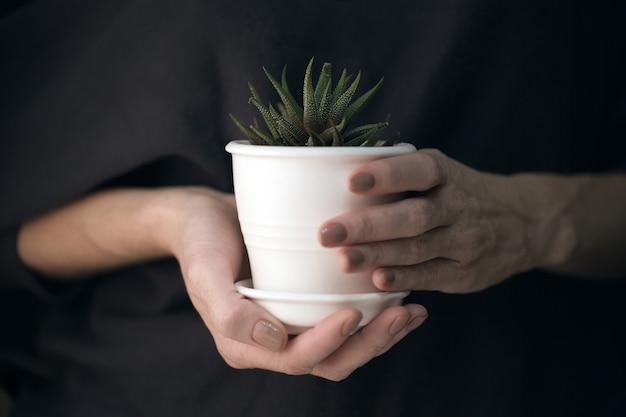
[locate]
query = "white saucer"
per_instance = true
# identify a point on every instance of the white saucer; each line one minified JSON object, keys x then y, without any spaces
{"x":299,"y":312}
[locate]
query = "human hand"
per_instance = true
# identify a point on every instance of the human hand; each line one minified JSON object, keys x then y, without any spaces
{"x":458,"y":230}
{"x":211,"y":254}
{"x":121,"y":227}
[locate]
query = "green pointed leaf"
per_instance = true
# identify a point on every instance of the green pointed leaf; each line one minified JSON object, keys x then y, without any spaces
{"x":374,"y":137}
{"x":364,"y":129}
{"x":325,"y":105}
{"x":283,"y":111}
{"x":327,"y":134}
{"x":293,"y":117}
{"x":293,"y":108}
{"x":337,"y":138}
{"x":315,"y":140}
{"x":321,"y":119}
{"x":310,"y":118}
{"x":392,"y":140}
{"x":289,"y":133}
{"x":367,"y":134}
{"x":323,"y":88}
{"x":267,"y":138}
{"x":253,"y":137}
{"x":341,"y":86}
{"x":254,"y":92}
{"x":340,"y":106}
{"x":283,"y":80}
{"x":323,"y":80}
{"x":358,"y":105}
{"x":267,"y":116}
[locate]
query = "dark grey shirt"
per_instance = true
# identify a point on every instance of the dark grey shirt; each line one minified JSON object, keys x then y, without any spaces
{"x":137,"y":93}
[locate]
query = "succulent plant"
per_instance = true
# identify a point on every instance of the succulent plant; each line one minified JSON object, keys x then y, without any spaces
{"x":323,"y":117}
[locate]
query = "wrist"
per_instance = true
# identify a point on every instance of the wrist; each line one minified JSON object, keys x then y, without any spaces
{"x":172,"y":213}
{"x":549,"y":203}
{"x":161,"y":218}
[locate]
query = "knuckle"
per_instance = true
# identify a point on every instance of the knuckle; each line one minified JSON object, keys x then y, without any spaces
{"x":193,"y":272}
{"x":435,"y":172}
{"x":475,"y":243}
{"x":230,"y":362}
{"x":420,"y":215}
{"x":376,"y":254}
{"x":376,"y":348}
{"x":434,"y":275}
{"x":416,"y":247}
{"x":297,"y":369}
{"x":364,"y":228}
{"x":332,"y":373}
{"x":461,"y":280}
{"x":226,"y":321}
{"x":395,"y":175}
{"x":338,"y":376}
{"x":232,"y":354}
{"x":389,"y":172}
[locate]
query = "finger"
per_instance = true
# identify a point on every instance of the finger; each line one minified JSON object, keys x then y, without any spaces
{"x":229,"y":314}
{"x":379,"y":336}
{"x":438,"y":274}
{"x":303,"y":352}
{"x":210,"y":273}
{"x":416,"y":171}
{"x":433,"y":244}
{"x":402,"y":219}
{"x":327,"y":350}
{"x":419,"y":314}
{"x":211,"y":259}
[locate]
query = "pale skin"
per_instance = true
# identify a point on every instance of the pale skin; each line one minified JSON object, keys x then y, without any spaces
{"x":459,"y":231}
{"x":199,"y":227}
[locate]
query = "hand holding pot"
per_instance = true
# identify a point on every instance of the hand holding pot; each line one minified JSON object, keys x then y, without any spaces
{"x":460,"y":230}
{"x":116,"y":228}
{"x":210,"y":252}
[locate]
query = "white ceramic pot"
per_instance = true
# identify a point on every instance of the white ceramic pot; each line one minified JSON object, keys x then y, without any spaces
{"x":284,"y":194}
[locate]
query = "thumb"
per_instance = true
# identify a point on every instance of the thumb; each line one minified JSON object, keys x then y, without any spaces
{"x":240,"y":319}
{"x":212,"y":256}
{"x":229,"y":314}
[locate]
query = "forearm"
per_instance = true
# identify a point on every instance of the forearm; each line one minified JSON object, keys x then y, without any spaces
{"x":582,"y":221}
{"x":105,"y":230}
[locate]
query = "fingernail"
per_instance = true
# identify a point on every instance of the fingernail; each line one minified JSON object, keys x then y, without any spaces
{"x":397,"y":325}
{"x":362,"y":182}
{"x":332,"y":234}
{"x":350,"y":326}
{"x":389,"y":277}
{"x":416,"y":322}
{"x":268,"y":335}
{"x":355,"y":258}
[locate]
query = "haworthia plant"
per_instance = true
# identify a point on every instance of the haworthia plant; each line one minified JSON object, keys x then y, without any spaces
{"x":323,"y":117}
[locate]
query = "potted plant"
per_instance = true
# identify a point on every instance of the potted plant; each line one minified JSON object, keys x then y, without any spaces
{"x":291,"y":177}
